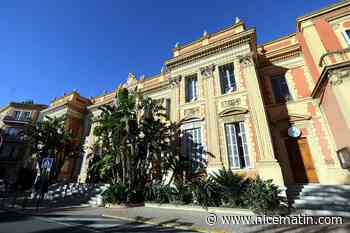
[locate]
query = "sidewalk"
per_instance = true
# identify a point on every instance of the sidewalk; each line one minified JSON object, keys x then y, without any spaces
{"x":196,"y":220}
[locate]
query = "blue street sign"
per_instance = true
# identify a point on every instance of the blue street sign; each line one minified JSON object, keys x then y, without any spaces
{"x":47,"y":163}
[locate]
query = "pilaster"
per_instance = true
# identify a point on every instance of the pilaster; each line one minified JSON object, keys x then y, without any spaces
{"x":267,"y":166}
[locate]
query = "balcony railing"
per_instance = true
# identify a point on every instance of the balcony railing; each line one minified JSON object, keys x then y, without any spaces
{"x":334,"y":57}
{"x":18,"y":120}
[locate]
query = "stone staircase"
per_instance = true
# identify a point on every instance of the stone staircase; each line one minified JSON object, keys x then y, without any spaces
{"x":320,"y":200}
{"x":62,"y":195}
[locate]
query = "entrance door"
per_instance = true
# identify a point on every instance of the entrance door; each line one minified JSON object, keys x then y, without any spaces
{"x":301,"y":161}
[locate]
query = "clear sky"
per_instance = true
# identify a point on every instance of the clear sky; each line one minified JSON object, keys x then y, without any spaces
{"x":49,"y":47}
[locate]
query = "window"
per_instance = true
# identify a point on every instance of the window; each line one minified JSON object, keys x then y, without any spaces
{"x":26,"y":115}
{"x":237,"y":148}
{"x":167,"y":108}
{"x":17,"y":115}
{"x":280,"y":89}
{"x":346,"y":35}
{"x":191,"y":88}
{"x":227,"y":78}
{"x":193,"y":146}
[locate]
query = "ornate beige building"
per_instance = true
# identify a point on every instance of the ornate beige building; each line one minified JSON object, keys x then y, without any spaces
{"x":280,"y":110}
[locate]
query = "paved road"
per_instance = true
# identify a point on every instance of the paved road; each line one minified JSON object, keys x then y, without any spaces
{"x":11,"y":222}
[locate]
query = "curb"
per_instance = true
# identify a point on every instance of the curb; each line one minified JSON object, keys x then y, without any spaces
{"x":197,"y":229}
{"x":218,"y":210}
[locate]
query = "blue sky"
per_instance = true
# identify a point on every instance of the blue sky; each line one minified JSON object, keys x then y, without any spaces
{"x":49,"y":47}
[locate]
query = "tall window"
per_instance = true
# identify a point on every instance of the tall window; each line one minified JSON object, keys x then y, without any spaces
{"x":237,"y":147}
{"x":346,"y":34}
{"x":280,"y":89}
{"x":227,"y":78}
{"x":191,"y":88}
{"x":167,"y":108}
{"x":17,"y":115}
{"x":193,"y":146}
{"x":26,"y":115}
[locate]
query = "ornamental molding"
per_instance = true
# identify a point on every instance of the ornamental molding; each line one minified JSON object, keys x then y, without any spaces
{"x":191,"y":112}
{"x":246,"y":59}
{"x":207,"y":71}
{"x":233,"y":111}
{"x":230,"y":103}
{"x":336,"y":77}
{"x":175,"y":81}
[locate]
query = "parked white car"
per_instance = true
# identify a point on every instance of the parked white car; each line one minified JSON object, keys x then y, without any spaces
{"x":2,"y":186}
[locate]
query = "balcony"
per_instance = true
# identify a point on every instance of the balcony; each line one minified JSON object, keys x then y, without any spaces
{"x":334,"y":57}
{"x":16,"y":120}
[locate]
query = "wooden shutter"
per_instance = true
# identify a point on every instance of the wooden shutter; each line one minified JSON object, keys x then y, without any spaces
{"x":232,"y":147}
{"x":244,"y":144}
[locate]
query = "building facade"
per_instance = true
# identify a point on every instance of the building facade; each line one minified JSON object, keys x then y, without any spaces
{"x":14,"y":152}
{"x":280,"y":110}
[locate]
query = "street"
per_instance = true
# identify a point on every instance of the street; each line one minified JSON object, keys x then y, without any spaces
{"x":73,"y":222}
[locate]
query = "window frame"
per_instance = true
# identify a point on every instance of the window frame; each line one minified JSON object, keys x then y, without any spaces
{"x":237,"y":149}
{"x":233,"y":87}
{"x":346,"y":34}
{"x":193,"y":78}
{"x":282,"y":98}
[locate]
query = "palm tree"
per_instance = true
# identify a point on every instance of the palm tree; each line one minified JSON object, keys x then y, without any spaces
{"x":133,"y":134}
{"x":51,"y":139}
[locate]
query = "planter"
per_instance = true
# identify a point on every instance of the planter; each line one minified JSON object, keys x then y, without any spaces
{"x":233,"y":211}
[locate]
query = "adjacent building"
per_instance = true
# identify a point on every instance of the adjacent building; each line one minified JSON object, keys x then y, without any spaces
{"x":14,"y":152}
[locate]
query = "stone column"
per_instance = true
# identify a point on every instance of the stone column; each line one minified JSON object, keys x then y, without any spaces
{"x":267,"y":167}
{"x":214,"y":162}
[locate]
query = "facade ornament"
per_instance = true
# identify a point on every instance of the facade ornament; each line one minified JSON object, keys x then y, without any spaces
{"x":131,"y":80}
{"x":205,"y":34}
{"x":237,"y":20}
{"x":336,"y":77}
{"x":207,"y":71}
{"x":231,"y":103}
{"x":142,"y":78}
{"x":164,"y":69}
{"x":177,"y":45}
{"x":192,"y":112}
{"x":246,"y":59}
{"x":175,"y":81}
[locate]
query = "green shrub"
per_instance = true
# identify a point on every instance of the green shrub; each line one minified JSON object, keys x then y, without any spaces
{"x":115,"y":194}
{"x":160,"y":193}
{"x":231,"y":186}
{"x":262,"y":197}
{"x":183,"y":194}
{"x":205,"y":192}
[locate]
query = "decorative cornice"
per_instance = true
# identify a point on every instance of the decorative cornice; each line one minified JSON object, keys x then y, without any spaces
{"x":239,"y":39}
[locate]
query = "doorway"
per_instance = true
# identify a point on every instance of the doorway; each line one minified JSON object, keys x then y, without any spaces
{"x":302,"y":165}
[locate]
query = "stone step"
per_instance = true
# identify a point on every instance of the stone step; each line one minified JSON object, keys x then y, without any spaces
{"x":321,"y":206}
{"x":321,"y":201}
{"x":315,"y":212}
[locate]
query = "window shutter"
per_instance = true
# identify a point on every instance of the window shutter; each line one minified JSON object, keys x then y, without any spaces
{"x":194,"y":83}
{"x":245,"y":145}
{"x":232,"y":144}
{"x":232,"y":77}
